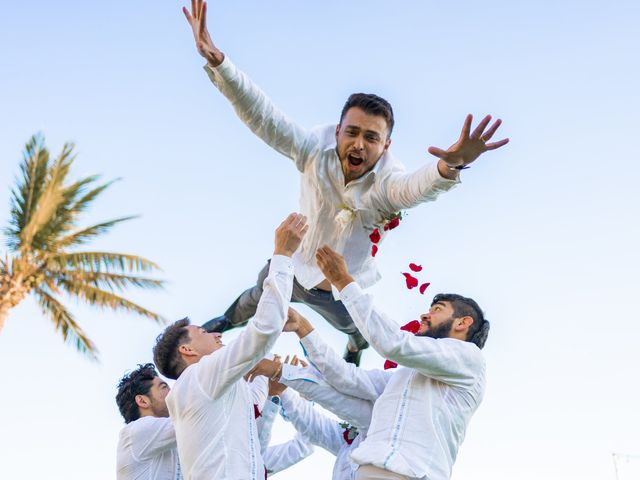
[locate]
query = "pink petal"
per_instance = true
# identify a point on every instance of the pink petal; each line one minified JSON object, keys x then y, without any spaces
{"x":389,"y":364}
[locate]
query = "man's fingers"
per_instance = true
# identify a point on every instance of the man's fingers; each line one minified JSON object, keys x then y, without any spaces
{"x":493,"y":146}
{"x":486,"y":136}
{"x":202,"y":21}
{"x":194,"y":8}
{"x":303,"y":363}
{"x":466,"y":126}
{"x":286,"y":360}
{"x":187,"y":15}
{"x":438,"y":152}
{"x":481,"y":126}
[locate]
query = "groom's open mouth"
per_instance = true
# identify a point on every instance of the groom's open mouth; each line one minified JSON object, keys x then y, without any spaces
{"x":354,"y":160}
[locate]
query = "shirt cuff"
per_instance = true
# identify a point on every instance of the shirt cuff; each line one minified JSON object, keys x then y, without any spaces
{"x":350,"y":292}
{"x":281,"y":264}
{"x":225,"y":70}
{"x":442,"y":182}
{"x":289,"y":372}
{"x":308,"y":343}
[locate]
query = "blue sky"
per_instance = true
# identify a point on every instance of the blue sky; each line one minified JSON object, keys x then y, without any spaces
{"x":543,"y":233}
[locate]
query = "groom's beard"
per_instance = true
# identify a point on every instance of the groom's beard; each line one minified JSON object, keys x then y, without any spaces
{"x":441,"y":331}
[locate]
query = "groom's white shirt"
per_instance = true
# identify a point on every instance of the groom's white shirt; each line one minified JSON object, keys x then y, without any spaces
{"x":211,"y":405}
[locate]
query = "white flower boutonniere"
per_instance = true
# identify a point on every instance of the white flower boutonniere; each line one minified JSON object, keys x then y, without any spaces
{"x":345,"y":215}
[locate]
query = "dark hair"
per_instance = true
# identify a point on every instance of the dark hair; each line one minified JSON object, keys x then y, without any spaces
{"x":165,"y":353}
{"x":463,"y":307}
{"x":137,"y":382}
{"x":371,"y":104}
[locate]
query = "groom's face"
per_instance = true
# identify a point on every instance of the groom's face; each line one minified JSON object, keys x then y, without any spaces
{"x":438,"y":322}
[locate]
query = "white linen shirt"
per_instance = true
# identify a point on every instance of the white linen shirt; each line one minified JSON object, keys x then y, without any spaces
{"x":211,"y":405}
{"x":322,"y":431}
{"x":147,"y":450}
{"x":422,"y":412}
{"x":386,"y":189}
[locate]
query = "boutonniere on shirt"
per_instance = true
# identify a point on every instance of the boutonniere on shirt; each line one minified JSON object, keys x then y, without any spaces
{"x":350,"y":432}
{"x":412,"y":327}
{"x":386,"y":223}
{"x":412,"y":282}
{"x":256,"y":411}
{"x":345,"y":215}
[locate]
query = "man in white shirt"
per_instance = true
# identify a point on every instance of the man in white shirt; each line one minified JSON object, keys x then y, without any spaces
{"x":351,"y":184}
{"x":211,"y":404}
{"x":421,"y":412}
{"x":147,"y":443}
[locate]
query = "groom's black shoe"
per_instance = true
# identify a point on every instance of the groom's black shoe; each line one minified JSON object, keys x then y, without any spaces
{"x":354,"y":357}
{"x":219,"y":324}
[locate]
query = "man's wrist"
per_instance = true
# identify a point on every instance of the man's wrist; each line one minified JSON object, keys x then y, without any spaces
{"x":343,"y":282}
{"x":447,"y":171}
{"x":304,"y":329}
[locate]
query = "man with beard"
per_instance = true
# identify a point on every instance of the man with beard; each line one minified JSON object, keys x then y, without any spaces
{"x":421,"y":412}
{"x":351,"y":185}
{"x":147,"y":443}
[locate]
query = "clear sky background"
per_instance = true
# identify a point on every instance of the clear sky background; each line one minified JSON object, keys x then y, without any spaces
{"x":542,"y":233}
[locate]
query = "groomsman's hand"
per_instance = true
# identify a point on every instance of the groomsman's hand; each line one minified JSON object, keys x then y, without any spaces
{"x":198,"y":21}
{"x":266,"y":368}
{"x":298,"y":324}
{"x":290,"y":233}
{"x":334,"y":267}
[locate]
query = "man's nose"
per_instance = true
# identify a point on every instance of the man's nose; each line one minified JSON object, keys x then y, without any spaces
{"x":358,"y":143}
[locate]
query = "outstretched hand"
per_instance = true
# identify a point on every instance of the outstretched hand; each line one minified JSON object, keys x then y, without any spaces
{"x":198,"y":21}
{"x":290,"y":233}
{"x":470,"y":145}
{"x":333,"y":267}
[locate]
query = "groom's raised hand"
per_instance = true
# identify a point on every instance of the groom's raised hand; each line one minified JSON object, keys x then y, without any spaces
{"x":197,"y":18}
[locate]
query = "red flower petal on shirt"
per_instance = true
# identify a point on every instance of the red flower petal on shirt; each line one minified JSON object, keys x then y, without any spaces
{"x":412,"y":327}
{"x":423,"y":287}
{"x":375,"y":236}
{"x":389,"y":364}
{"x":256,"y":411}
{"x":374,"y":250}
{"x":393,"y":223}
{"x":412,"y":281}
{"x":415,"y":268}
{"x":345,"y":435}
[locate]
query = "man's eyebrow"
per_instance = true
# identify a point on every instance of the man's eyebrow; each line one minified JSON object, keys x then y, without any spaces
{"x":441,"y":303}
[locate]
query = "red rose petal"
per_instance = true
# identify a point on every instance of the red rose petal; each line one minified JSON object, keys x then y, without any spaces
{"x":374,"y":250}
{"x":423,"y":287}
{"x":375,"y":236}
{"x":415,"y":268}
{"x":412,"y":327}
{"x":256,"y":411}
{"x":393,"y":223}
{"x":412,"y":281}
{"x":345,"y":435}
{"x":386,"y":227}
{"x":389,"y":364}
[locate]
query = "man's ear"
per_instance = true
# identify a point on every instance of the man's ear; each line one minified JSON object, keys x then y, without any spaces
{"x":186,"y":350}
{"x":387,"y":144}
{"x":337,"y":131}
{"x":142,"y":401}
{"x":464,"y":323}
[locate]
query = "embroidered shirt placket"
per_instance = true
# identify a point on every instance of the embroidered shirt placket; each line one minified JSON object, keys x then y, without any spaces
{"x":399,"y":420}
{"x":252,"y":447}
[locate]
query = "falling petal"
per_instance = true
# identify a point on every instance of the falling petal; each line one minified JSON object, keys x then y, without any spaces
{"x":375,"y":236}
{"x":412,"y":327}
{"x":415,"y":268}
{"x":412,"y":281}
{"x":423,"y":287}
{"x":374,"y":250}
{"x":389,"y":364}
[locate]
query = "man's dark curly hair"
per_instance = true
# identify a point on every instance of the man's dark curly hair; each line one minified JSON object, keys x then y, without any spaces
{"x":462,"y":307}
{"x":165,"y":353}
{"x":136,"y":382}
{"x":372,"y":105}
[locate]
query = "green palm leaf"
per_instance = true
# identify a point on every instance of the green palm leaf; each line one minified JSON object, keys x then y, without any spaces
{"x":64,"y":323}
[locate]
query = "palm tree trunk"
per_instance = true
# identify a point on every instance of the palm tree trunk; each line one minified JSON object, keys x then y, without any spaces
{"x":12,"y":292}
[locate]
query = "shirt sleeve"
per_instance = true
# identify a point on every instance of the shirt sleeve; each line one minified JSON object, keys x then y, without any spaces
{"x":314,"y":426}
{"x":309,"y":383}
{"x":401,"y":190}
{"x":264,"y":423}
{"x":154,"y":436}
{"x":448,"y":360}
{"x":219,"y":370}
{"x":285,"y":455}
{"x":344,"y":377}
{"x":257,"y":112}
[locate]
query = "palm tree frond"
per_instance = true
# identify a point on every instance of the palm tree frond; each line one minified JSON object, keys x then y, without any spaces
{"x":49,"y":202}
{"x":84,"y":235}
{"x":101,"y":298}
{"x":65,"y":324}
{"x":100,"y":261}
{"x":112,"y":281}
